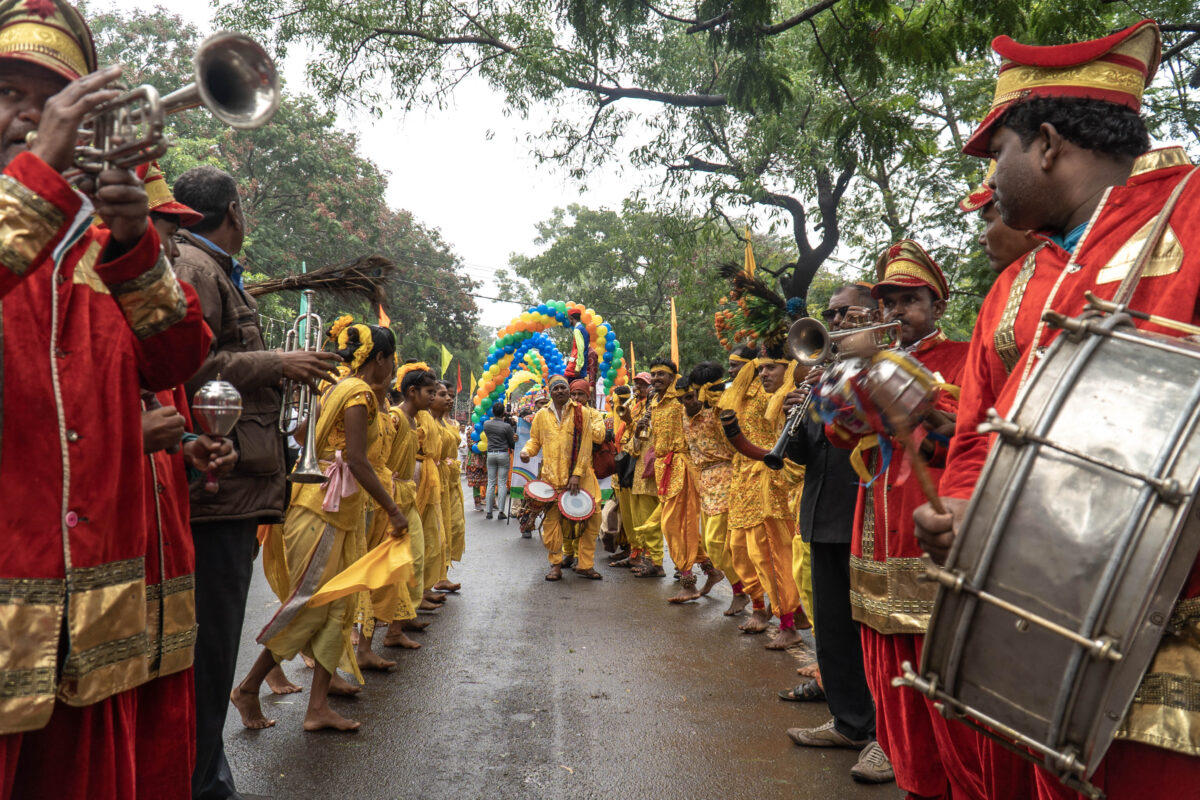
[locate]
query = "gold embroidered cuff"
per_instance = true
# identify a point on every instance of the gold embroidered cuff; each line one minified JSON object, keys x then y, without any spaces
{"x":1166,"y":709}
{"x":153,"y":301}
{"x":28,"y":222}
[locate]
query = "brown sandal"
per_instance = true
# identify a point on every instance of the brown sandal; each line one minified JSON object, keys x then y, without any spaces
{"x":589,"y":573}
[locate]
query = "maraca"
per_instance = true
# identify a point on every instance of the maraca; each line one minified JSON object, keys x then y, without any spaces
{"x":216,"y":407}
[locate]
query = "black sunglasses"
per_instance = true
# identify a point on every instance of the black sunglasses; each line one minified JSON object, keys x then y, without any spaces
{"x":832,"y":313}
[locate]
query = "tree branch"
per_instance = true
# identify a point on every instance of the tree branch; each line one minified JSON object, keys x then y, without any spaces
{"x":791,"y":22}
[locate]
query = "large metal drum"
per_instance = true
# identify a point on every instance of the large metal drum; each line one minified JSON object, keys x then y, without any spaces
{"x":1077,"y":541}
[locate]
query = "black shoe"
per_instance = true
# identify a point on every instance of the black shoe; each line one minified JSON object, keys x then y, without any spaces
{"x":489,"y":515}
{"x":526,"y":535}
{"x":501,"y":515}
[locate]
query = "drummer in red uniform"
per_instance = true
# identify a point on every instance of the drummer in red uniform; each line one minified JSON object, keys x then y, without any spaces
{"x":889,"y":601}
{"x":1073,"y":163}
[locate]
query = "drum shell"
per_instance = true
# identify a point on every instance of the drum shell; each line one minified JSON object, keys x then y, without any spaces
{"x":587,"y":503}
{"x":1044,"y":531}
{"x":900,"y":392}
{"x":535,"y":503}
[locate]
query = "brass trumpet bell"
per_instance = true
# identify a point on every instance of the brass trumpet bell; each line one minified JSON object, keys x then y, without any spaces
{"x":810,"y":343}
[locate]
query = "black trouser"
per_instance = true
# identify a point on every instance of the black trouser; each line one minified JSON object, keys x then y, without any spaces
{"x":224,"y":561}
{"x":839,"y":648}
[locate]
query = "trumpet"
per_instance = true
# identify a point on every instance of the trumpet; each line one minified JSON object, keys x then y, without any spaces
{"x":812,"y":344}
{"x":299,"y":401}
{"x":236,"y":81}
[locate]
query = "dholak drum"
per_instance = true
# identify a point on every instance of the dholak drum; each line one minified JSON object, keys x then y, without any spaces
{"x":538,"y":496}
{"x":576,"y":507}
{"x":1078,"y":539}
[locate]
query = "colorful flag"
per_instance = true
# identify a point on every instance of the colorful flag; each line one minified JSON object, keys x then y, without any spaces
{"x":458,"y":389}
{"x":749,"y":266}
{"x":384,"y":320}
{"x":473,"y":384}
{"x":447,"y":357}
{"x":675,"y":337}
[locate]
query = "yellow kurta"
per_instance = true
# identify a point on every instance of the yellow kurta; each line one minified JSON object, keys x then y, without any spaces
{"x":553,"y":439}
{"x":678,"y":496}
{"x":712,"y":455}
{"x":393,"y":460}
{"x":452,"y":495}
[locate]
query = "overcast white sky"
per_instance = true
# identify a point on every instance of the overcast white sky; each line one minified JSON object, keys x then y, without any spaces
{"x":484,"y":194}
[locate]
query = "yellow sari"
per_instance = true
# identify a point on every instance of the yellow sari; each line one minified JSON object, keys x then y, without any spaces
{"x":429,"y":497}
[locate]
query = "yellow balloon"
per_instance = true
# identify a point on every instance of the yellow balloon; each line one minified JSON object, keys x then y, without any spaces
{"x":597,"y":320}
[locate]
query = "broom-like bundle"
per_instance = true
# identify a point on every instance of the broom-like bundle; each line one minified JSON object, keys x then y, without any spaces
{"x":363,"y":278}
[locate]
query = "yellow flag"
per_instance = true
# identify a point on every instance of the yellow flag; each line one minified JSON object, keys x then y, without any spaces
{"x":632,"y":360}
{"x":675,"y":337}
{"x":749,"y":266}
{"x":384,"y":320}
{"x":446,"y":359}
{"x":473,"y":384}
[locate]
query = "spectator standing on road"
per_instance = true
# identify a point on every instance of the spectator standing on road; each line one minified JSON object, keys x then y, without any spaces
{"x":501,"y":440}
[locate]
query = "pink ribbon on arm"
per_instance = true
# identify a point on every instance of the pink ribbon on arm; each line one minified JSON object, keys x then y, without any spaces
{"x":341,"y":483}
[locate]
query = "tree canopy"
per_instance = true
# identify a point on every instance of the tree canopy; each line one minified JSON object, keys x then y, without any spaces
{"x":840,"y":120}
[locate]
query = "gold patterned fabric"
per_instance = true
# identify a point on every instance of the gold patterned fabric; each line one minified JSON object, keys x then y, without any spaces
{"x":756,"y":493}
{"x":712,"y":455}
{"x":28,"y":223}
{"x":666,"y":436}
{"x":30,"y":614}
{"x":1166,"y":709}
{"x":49,"y":33}
{"x":1005,"y":338}
{"x":153,"y":301}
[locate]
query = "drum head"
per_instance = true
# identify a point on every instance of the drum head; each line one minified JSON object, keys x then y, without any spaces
{"x":576,"y":506}
{"x":540,"y":490}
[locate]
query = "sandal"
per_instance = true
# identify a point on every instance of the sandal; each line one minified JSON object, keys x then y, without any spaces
{"x":803,"y":693}
{"x":589,"y":573}
{"x":555,"y":573}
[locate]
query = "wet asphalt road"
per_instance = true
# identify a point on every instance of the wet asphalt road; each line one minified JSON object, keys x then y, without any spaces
{"x":529,"y":689}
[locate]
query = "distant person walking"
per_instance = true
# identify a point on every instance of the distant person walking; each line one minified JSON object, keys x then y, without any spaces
{"x":501,"y":440}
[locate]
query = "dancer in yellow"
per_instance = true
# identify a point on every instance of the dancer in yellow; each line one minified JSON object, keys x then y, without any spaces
{"x":394,"y":457}
{"x":645,"y":490}
{"x":675,"y":477}
{"x":712,"y":456}
{"x":452,"y":493}
{"x":325,"y":531}
{"x":429,"y":502}
{"x":621,"y":396}
{"x":564,"y":434}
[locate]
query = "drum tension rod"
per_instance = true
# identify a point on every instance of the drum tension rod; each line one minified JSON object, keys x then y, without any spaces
{"x":1104,"y":648}
{"x":1064,"y":763}
{"x":1169,"y":490}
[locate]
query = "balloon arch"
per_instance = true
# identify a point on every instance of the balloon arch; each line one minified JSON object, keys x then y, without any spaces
{"x":523,"y":354}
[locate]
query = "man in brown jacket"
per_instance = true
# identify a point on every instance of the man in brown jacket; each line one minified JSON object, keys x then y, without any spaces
{"x":224,"y":523}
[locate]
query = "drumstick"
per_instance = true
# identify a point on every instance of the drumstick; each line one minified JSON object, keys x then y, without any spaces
{"x":920,"y":468}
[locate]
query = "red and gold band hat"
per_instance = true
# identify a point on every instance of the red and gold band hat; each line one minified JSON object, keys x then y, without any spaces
{"x":49,"y":33}
{"x":1116,"y":69}
{"x":907,"y":265}
{"x":162,"y":200}
{"x":982,"y":194}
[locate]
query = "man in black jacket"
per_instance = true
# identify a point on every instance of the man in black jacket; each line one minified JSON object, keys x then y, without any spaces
{"x":826,"y":523}
{"x":501,"y":439}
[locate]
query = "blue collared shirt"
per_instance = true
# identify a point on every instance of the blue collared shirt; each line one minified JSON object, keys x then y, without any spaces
{"x":1070,"y":240}
{"x":236,"y":273}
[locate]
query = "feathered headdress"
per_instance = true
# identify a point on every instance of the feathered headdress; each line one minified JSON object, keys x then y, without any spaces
{"x":753,"y":313}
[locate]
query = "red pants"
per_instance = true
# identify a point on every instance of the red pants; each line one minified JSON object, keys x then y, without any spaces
{"x":1132,"y":771}
{"x":932,"y":756}
{"x":137,"y":745}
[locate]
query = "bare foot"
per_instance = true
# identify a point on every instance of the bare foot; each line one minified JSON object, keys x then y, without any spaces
{"x":758,"y":622}
{"x":308,"y":662}
{"x":369,"y":659}
{"x":809,"y":671}
{"x":425,"y":605}
{"x":398,"y":639}
{"x":447,"y":586}
{"x":714,"y":577}
{"x":278,"y":682}
{"x":412,"y":625}
{"x":740,"y":601}
{"x":786,"y":638}
{"x":341,"y":687}
{"x":327,"y":719}
{"x":435,"y":597}
{"x":251,"y":710}
{"x":686,"y":594}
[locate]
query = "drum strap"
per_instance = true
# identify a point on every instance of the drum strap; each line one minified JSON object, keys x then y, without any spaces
{"x":1129,"y":285}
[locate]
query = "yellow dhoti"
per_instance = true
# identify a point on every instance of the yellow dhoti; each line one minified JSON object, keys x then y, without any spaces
{"x":314,"y":551}
{"x":554,"y":526}
{"x":802,"y":572}
{"x":743,"y":564}
{"x":651,"y":540}
{"x":770,"y":548}
{"x":681,"y":526}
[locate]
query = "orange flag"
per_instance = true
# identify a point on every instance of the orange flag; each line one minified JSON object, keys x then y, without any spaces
{"x":675,"y":337}
{"x":632,"y":361}
{"x":384,"y":320}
